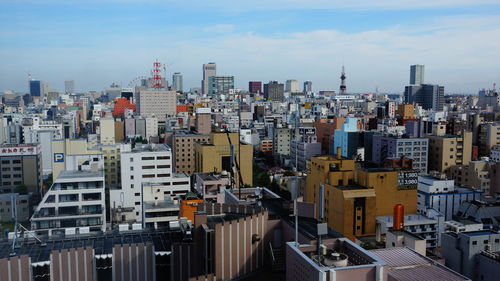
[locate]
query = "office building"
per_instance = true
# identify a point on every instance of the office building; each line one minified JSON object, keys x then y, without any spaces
{"x":20,"y":165}
{"x":183,"y":146}
{"x":22,"y":207}
{"x":282,"y":138}
{"x":209,"y":70}
{"x":461,"y":249}
{"x":442,"y":195}
{"x":274,"y":91}
{"x":385,"y":147}
{"x":417,"y":74}
{"x":302,"y":262}
{"x":157,"y":103}
{"x":292,"y":86}
{"x":220,"y":85}
{"x":74,"y":204}
{"x":488,"y":137}
{"x":346,"y":138}
{"x":36,"y":88}
{"x":203,"y":121}
{"x":449,"y":150}
{"x":255,"y":87}
{"x":476,"y":174}
{"x":215,"y":156}
{"x":69,"y":86}
{"x":145,"y":164}
{"x":307,"y":87}
{"x":430,"y":97}
{"x":177,"y":81}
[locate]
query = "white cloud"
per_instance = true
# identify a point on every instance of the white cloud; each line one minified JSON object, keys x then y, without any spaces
{"x":458,"y":54}
{"x":219,"y":28}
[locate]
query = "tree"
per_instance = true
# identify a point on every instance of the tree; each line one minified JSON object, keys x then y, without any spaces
{"x":21,"y":189}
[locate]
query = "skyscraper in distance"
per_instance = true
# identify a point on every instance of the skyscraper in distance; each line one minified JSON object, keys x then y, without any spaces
{"x":69,"y":86}
{"x":417,"y":74}
{"x":209,"y":70}
{"x":274,"y":91}
{"x":255,"y":87}
{"x":308,"y":87}
{"x":177,"y":81}
{"x":35,"y":88}
{"x":292,"y":86}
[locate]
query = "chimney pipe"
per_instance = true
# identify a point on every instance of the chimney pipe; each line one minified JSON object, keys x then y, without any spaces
{"x":399,"y":215}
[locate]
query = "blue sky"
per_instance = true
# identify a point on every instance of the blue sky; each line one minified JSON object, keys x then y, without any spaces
{"x":97,"y":43}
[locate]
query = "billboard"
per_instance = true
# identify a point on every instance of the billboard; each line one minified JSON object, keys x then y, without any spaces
{"x":407,"y":180}
{"x":16,"y":150}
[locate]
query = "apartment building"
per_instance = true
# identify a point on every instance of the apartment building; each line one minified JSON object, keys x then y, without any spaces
{"x":476,"y":174}
{"x":384,"y":147}
{"x":449,"y":150}
{"x":145,"y":164}
{"x":183,"y":150}
{"x":20,"y":164}
{"x":74,"y":204}
{"x":157,"y":103}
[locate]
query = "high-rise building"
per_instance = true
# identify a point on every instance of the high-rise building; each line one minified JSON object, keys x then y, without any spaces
{"x":20,"y":164}
{"x":220,"y":85}
{"x":292,"y":86}
{"x":177,"y":81}
{"x":385,"y":147}
{"x":209,"y":69}
{"x":427,"y":95}
{"x":69,"y":86}
{"x":417,"y":74}
{"x":447,"y":151}
{"x":274,"y":91}
{"x":35,"y":88}
{"x":157,"y":103}
{"x":255,"y":87}
{"x":308,"y":85}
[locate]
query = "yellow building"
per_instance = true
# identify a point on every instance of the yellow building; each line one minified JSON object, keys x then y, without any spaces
{"x":449,"y":150}
{"x":355,"y":197}
{"x":215,"y":156}
{"x":389,"y":193}
{"x":350,"y":210}
{"x":327,"y":170}
{"x":407,"y":111}
{"x":65,"y":147}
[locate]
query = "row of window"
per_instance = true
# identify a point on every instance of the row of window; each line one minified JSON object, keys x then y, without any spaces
{"x":149,"y":158}
{"x":13,"y":161}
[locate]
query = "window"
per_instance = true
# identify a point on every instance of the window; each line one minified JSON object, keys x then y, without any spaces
{"x":137,"y":203}
{"x":148,"y":176}
{"x":131,"y":168}
{"x":148,"y":158}
{"x":137,"y":194}
{"x":474,"y":242}
{"x":131,"y":177}
{"x":162,"y":157}
{"x":163,"y":175}
{"x":148,"y":167}
{"x":163,"y":166}
{"x":131,"y":186}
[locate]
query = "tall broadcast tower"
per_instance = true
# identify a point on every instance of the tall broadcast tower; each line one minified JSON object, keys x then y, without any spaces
{"x":343,"y":87}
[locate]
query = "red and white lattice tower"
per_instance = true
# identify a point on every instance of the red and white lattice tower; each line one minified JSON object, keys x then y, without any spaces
{"x":156,"y":72}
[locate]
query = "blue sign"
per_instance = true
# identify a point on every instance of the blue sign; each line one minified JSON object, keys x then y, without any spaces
{"x":58,"y":157}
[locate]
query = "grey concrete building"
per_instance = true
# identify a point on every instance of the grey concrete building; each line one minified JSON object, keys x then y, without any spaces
{"x":274,"y":91}
{"x":281,"y":141}
{"x":220,"y":85}
{"x":392,"y":146}
{"x":20,"y":164}
{"x":209,"y":69}
{"x":460,"y":250}
{"x":22,"y":202}
{"x":417,"y":72}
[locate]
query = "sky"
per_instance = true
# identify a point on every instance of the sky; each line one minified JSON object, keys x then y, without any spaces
{"x":100,"y":42}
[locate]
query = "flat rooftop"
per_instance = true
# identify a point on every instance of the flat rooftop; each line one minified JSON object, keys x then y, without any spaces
{"x":80,"y":174}
{"x":102,"y":243}
{"x":150,"y":148}
{"x":479,"y":233}
{"x":407,"y":265}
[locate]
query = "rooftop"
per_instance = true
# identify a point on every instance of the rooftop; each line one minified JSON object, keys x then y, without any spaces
{"x":102,"y":243}
{"x":80,"y":174}
{"x":406,"y":264}
{"x":150,"y":148}
{"x":480,"y":233}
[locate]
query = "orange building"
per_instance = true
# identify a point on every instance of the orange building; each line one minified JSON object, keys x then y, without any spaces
{"x":325,"y":129}
{"x":121,"y":104}
{"x":184,"y":108}
{"x":189,"y":206}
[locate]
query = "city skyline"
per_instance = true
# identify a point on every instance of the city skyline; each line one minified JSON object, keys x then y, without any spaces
{"x":100,"y":43}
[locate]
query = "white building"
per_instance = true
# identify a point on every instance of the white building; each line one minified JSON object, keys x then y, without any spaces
{"x":146,"y":164}
{"x":74,"y":204}
{"x":156,"y":103}
{"x":495,"y":154}
{"x":292,"y":86}
{"x":442,"y":195}
{"x":151,"y":127}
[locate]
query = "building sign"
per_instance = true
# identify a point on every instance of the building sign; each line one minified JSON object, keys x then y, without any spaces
{"x":407,"y":180}
{"x":58,"y":157}
{"x":19,"y":150}
{"x":308,"y":131}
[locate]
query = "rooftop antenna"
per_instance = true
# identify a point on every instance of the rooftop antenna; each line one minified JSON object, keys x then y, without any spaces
{"x":17,"y":225}
{"x":156,"y":73}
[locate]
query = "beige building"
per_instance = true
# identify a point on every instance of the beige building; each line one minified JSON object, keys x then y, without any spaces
{"x":107,"y":130}
{"x":157,"y":103}
{"x":489,"y":136}
{"x":215,"y":156}
{"x":476,"y":175}
{"x":447,"y":151}
{"x":68,"y":147}
{"x":203,"y":121}
{"x":184,"y":153}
